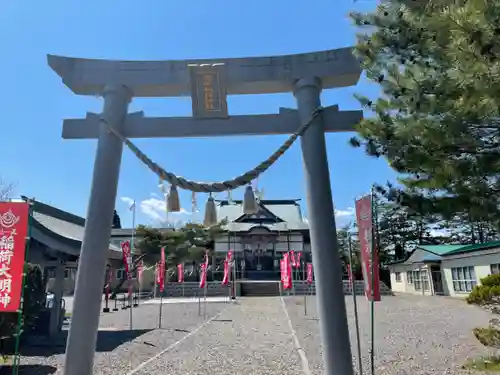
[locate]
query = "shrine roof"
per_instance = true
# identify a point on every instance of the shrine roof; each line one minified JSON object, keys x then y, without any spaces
{"x":61,"y":230}
{"x":286,"y":212}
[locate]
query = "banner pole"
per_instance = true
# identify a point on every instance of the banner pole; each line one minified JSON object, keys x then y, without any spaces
{"x":161,"y":307}
{"x":372,"y":302}
{"x":131,"y":286}
{"x":355,"y":306}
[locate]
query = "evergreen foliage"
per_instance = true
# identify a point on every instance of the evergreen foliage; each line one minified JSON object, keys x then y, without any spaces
{"x":437,"y":119}
{"x":34,"y":303}
{"x":487,"y":295}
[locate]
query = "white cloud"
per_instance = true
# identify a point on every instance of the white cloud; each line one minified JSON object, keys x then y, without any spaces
{"x":342,"y":216}
{"x":128,"y":201}
{"x":349,"y":211}
{"x":154,"y":209}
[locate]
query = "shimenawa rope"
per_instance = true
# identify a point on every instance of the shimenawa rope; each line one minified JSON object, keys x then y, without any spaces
{"x":215,"y":187}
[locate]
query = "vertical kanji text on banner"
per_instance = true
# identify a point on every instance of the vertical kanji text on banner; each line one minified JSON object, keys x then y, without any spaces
{"x":13,"y":231}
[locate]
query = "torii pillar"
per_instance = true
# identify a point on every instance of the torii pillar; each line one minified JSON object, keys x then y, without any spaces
{"x":209,"y":81}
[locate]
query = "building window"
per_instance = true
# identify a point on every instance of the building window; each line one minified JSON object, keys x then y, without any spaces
{"x":425,"y":279}
{"x":409,"y":277}
{"x":398,"y":277}
{"x":120,"y":273}
{"x":464,"y":279}
{"x":67,"y":273}
{"x":495,"y":269}
{"x":417,"y":281}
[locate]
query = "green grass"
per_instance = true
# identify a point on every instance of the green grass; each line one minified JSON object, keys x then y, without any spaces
{"x":486,"y":364}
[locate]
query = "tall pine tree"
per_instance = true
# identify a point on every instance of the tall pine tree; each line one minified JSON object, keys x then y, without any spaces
{"x":437,"y":119}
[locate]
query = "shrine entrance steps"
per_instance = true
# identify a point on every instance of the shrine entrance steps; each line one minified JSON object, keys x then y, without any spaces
{"x":250,"y":288}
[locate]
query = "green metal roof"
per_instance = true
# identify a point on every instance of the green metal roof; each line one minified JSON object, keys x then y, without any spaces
{"x":440,"y":249}
{"x":446,"y":250}
{"x":474,"y":247}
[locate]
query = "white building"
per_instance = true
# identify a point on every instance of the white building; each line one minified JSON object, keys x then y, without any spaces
{"x":451,"y":270}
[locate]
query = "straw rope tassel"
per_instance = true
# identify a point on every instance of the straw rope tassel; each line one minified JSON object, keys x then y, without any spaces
{"x":216,"y":187}
{"x":210,"y":213}
{"x":173,"y":201}
{"x":249,"y":203}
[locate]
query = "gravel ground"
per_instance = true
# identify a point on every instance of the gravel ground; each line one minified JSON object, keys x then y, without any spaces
{"x":118,"y":350}
{"x":250,"y":338}
{"x":413,"y":334}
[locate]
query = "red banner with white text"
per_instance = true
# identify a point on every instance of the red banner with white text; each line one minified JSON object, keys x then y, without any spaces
{"x":13,"y":232}
{"x":180,"y":273}
{"x":203,"y":276}
{"x":364,"y":218}
{"x":225,"y":279}
{"x":161,"y":270}
{"x":127,"y":259}
{"x":286,"y":271}
{"x":310,"y":276}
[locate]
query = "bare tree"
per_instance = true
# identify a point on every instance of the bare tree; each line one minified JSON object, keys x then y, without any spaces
{"x":6,"y":190}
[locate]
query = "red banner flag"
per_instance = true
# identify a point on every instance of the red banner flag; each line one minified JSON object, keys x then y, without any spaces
{"x":180,"y":273}
{"x":365,"y":227}
{"x":299,"y":258}
{"x":161,"y":270}
{"x":206,"y":259}
{"x":229,"y":256}
{"x":286,"y":275}
{"x":292,"y":258}
{"x":203,"y":279}
{"x":13,"y":233}
{"x":140,"y":270}
{"x":310,"y":275}
{"x":349,"y":274}
{"x":108,"y":281}
{"x":225,"y":279}
{"x":127,"y":259}
{"x":157,"y":274}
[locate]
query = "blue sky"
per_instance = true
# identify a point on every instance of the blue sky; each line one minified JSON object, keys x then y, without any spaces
{"x":34,"y":100}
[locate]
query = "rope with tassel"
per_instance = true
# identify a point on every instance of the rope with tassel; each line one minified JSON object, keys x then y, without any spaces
{"x":215,"y":187}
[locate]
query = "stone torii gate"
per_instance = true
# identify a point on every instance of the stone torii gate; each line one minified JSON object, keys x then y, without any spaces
{"x":209,"y":82}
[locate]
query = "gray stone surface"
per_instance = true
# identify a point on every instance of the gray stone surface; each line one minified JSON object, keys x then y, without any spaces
{"x":138,"y":126}
{"x":413,"y":334}
{"x":118,"y":351}
{"x":252,"y":338}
